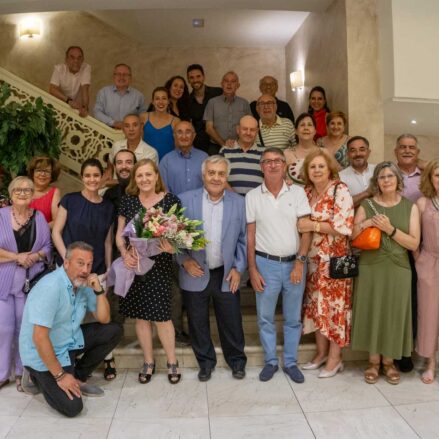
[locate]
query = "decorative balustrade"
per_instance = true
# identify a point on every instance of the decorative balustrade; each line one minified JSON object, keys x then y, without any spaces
{"x":81,"y":137}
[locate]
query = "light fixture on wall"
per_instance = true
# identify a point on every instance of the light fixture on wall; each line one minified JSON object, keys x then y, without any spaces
{"x":30,"y":28}
{"x":198,"y":22}
{"x":297,"y":80}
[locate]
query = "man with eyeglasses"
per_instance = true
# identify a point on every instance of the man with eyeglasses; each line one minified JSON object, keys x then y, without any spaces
{"x":274,"y":131}
{"x":268,"y":85}
{"x":277,"y":260}
{"x":70,"y":81}
{"x":114,"y":102}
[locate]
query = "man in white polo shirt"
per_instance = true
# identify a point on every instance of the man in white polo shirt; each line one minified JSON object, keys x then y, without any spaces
{"x":277,"y":260}
{"x":357,"y":176}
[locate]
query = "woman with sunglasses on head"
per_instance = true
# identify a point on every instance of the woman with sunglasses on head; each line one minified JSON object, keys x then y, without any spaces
{"x":24,"y":246}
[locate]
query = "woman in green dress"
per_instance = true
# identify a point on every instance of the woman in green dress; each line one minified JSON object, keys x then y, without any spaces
{"x":382,"y":297}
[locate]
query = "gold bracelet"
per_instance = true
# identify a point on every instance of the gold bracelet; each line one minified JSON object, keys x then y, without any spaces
{"x":317,"y":227}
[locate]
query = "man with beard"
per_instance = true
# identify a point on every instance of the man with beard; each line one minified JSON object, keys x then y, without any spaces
{"x":52,"y":337}
{"x":357,"y":176}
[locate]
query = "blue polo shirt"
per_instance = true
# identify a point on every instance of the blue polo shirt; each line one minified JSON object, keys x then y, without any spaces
{"x":54,"y":304}
{"x":182,"y":172}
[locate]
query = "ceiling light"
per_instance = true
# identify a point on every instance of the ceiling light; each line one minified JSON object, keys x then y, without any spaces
{"x":413,"y":122}
{"x":198,"y":22}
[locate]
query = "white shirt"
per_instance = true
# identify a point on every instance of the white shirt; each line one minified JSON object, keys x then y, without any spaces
{"x":213,"y":226}
{"x":69,"y":82}
{"x":276,"y":218}
{"x":143,"y":151}
{"x":355,"y":181}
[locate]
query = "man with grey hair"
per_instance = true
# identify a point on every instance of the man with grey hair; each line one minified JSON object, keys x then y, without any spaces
{"x":114,"y":102}
{"x":52,"y":337}
{"x":222,"y":114}
{"x":215,"y":272}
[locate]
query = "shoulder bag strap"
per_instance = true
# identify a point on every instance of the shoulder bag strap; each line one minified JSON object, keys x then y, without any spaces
{"x":261,"y":139}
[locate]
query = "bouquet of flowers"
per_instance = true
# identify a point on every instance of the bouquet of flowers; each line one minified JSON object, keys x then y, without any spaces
{"x":145,"y":233}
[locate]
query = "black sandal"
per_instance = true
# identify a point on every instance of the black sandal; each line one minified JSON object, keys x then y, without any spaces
{"x":144,"y":376}
{"x":173,"y":376}
{"x":110,"y":372}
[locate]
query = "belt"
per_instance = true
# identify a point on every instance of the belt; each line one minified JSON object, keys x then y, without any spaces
{"x":221,"y":267}
{"x":276,"y":258}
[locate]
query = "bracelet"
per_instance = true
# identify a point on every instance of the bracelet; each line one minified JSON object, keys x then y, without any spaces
{"x":59,"y":375}
{"x":316,"y":227}
{"x":98,"y":293}
{"x":393,"y":233}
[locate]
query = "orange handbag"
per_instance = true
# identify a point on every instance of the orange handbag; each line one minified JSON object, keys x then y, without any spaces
{"x":368,"y":239}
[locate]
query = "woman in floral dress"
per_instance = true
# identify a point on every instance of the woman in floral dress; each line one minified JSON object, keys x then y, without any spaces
{"x":327,"y":301}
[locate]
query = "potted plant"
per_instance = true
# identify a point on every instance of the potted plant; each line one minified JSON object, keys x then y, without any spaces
{"x":27,"y":129}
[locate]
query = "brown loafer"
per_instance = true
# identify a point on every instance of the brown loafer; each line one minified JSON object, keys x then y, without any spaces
{"x":391,"y":373}
{"x":371,"y":374}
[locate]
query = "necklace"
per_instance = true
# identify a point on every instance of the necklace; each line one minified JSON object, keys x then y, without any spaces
{"x":21,"y":225}
{"x":435,"y":203}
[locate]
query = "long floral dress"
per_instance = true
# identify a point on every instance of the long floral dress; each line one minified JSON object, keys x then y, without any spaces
{"x":327,"y":302}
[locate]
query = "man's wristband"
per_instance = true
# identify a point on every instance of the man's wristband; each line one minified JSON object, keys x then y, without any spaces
{"x":59,"y":375}
{"x":393,"y":233}
{"x":98,"y":293}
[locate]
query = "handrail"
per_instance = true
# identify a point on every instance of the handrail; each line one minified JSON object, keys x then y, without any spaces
{"x":81,"y":137}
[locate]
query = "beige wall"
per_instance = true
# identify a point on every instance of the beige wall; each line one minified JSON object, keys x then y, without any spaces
{"x":104,"y":47}
{"x":319,"y":48}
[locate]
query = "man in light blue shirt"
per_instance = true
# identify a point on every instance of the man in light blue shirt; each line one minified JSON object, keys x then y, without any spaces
{"x":115,"y":101}
{"x":52,"y":337}
{"x":181,"y":168}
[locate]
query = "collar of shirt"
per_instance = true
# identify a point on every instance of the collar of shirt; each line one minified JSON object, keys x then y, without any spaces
{"x":117,"y":91}
{"x":187,"y":155}
{"x":416,"y":172}
{"x":207,"y":197}
{"x":238,"y":146}
{"x":361,"y":173}
{"x":278,"y":121}
{"x":285,"y":188}
{"x":229,"y":100}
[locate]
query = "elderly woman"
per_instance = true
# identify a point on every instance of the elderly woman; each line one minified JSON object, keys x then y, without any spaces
{"x":149,"y":297}
{"x":336,"y":140}
{"x":382,"y":297}
{"x":24,"y":245}
{"x":44,"y":171}
{"x":427,"y":268}
{"x":158,"y":124}
{"x":295,"y":155}
{"x":327,"y":301}
{"x":318,"y":109}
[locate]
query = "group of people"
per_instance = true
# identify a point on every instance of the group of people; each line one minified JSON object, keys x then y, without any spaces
{"x":278,"y":197}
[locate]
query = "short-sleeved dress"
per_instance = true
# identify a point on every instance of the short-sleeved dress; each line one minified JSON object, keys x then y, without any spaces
{"x":327,"y":302}
{"x":88,"y":222}
{"x":382,"y":312}
{"x":149,"y":297}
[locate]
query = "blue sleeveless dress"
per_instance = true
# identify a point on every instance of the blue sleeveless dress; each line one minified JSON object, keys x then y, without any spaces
{"x":162,"y":139}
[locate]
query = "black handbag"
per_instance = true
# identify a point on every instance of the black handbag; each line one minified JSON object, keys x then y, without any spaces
{"x":342,"y":267}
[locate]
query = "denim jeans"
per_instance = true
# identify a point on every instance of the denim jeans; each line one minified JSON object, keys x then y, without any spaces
{"x":277,"y":280}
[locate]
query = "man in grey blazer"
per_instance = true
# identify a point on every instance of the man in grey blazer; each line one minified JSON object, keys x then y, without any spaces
{"x":215,"y":271}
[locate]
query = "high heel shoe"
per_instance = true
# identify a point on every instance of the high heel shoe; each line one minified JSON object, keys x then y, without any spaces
{"x":144,"y":376}
{"x":313,"y":366}
{"x":173,"y":376}
{"x":330,"y":373}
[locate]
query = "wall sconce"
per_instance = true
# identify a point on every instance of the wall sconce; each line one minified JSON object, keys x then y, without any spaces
{"x":29,"y":28}
{"x":296,"y":80}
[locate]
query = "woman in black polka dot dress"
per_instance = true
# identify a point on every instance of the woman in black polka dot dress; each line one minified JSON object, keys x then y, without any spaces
{"x":149,"y":297}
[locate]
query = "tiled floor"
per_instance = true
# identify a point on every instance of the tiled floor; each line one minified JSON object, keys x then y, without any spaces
{"x":341,"y":407}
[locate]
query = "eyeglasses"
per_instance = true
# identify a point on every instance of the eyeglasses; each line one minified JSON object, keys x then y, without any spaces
{"x":43,"y":171}
{"x":266,"y":104}
{"x":386,"y":177}
{"x":274,"y":162}
{"x":22,"y":190}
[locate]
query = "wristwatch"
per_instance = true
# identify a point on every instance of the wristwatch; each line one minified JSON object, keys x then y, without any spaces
{"x":301,"y":258}
{"x":98,"y":293}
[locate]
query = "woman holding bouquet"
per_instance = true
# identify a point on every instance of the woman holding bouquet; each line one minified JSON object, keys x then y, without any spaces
{"x":149,"y":297}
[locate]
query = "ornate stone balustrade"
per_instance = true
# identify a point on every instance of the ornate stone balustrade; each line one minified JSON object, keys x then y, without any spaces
{"x":82,"y":138}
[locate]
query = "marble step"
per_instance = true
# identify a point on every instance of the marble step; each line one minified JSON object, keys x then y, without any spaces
{"x":129,"y":355}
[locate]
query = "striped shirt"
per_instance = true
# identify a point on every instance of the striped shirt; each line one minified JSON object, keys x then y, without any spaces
{"x":280,"y":135}
{"x":245,"y":171}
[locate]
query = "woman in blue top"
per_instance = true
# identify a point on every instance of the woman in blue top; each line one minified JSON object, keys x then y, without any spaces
{"x":159,"y":125}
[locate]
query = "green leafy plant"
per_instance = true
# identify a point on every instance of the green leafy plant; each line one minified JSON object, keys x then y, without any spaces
{"x":27,"y":129}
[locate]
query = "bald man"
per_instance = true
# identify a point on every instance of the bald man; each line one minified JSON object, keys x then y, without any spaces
{"x":244,"y":157}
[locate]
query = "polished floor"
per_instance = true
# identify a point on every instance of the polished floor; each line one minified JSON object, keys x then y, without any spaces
{"x":341,"y":407}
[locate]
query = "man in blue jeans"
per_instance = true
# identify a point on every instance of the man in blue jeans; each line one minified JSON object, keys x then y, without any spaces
{"x":277,"y":260}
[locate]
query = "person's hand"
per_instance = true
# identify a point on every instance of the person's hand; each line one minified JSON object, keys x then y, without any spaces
{"x":74,"y":105}
{"x":117,"y":125}
{"x":305,"y":224}
{"x":234,"y":279}
{"x":130,"y":259}
{"x":257,"y":281}
{"x":193,"y":268}
{"x":93,"y":282}
{"x":83,"y":112}
{"x":230,"y":143}
{"x":383,"y":223}
{"x":70,"y":385}
{"x":166,"y":247}
{"x":25,"y":259}
{"x":297,"y":273}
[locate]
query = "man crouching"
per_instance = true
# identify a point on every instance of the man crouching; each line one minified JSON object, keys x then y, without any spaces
{"x":52,"y":336}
